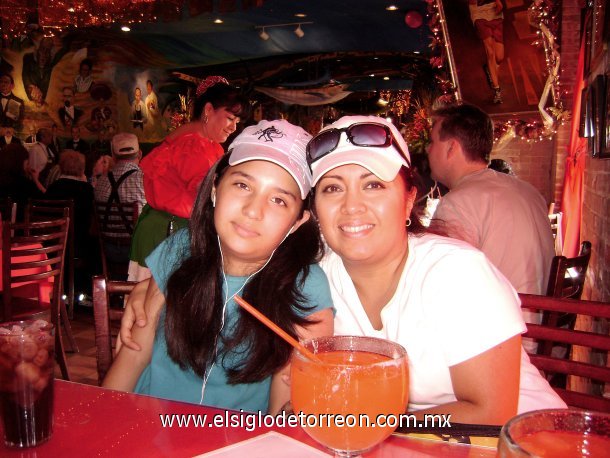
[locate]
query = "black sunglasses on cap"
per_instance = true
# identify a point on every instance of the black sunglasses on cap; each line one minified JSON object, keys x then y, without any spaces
{"x":367,"y":134}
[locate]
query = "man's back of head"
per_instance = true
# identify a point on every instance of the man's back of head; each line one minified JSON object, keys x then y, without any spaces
{"x":470,"y":126}
{"x":125,"y":147}
{"x":461,"y":142}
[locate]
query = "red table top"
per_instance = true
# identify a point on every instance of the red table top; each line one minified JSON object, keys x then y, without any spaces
{"x":93,"y":421}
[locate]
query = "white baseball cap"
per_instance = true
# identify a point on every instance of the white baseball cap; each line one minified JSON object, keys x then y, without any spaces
{"x":383,"y":161}
{"x":275,"y":141}
{"x":125,"y":144}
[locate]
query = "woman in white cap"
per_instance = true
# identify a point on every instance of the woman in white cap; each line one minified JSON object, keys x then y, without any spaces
{"x":457,"y":316}
{"x":250,"y":234}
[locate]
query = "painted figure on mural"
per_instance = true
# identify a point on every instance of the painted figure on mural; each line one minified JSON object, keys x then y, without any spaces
{"x":37,"y":68}
{"x":68,"y":113}
{"x":151,"y":102}
{"x":488,"y":20}
{"x":82,"y":81}
{"x":11,"y":107}
{"x":138,"y":110}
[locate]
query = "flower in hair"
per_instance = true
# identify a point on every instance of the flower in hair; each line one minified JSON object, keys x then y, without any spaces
{"x":209,"y":82}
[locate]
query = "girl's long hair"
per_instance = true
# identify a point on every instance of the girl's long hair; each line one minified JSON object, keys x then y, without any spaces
{"x":195,"y":300}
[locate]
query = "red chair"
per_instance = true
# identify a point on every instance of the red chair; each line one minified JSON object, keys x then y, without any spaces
{"x":105,"y":315}
{"x":32,"y":275}
{"x":597,"y":342}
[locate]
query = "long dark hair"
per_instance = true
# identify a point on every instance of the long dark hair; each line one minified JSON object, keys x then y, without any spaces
{"x":195,"y":296}
{"x":223,"y":95}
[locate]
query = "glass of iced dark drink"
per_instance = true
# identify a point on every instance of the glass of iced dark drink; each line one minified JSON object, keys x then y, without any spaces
{"x":26,"y":382}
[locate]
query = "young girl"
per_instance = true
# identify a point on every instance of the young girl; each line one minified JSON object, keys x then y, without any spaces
{"x":249,"y":235}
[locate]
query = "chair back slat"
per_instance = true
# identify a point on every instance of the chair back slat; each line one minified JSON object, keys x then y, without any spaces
{"x":563,"y":366}
{"x":569,"y":336}
{"x":584,"y":401}
{"x":104,"y":315}
{"x":551,"y":364}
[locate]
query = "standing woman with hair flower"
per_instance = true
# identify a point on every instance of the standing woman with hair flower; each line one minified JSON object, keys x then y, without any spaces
{"x":174,"y":170}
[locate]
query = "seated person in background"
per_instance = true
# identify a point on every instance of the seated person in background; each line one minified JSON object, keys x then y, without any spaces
{"x":501,"y":215}
{"x":124,"y":184}
{"x":250,"y":234}
{"x":72,"y":184}
{"x":17,"y":179}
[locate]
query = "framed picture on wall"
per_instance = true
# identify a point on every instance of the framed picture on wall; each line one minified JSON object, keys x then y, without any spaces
{"x":605,"y":133}
{"x":596,"y":98}
{"x":597,"y":31}
{"x":588,"y":31}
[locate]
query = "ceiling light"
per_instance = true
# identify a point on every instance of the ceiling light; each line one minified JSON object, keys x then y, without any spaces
{"x":386,"y":78}
{"x":300,"y":15}
{"x":218,"y":21}
{"x":391,"y":7}
{"x":125,"y":28}
{"x":299,"y":32}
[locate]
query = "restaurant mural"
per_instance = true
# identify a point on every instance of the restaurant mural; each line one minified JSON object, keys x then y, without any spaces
{"x":91,"y":84}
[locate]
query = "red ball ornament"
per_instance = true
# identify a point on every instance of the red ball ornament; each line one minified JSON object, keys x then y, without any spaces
{"x":413,"y":19}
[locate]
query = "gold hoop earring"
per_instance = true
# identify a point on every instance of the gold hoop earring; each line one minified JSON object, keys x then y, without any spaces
{"x":408,"y":222}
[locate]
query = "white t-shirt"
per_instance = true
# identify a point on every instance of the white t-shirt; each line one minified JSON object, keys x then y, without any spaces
{"x":451,"y":304}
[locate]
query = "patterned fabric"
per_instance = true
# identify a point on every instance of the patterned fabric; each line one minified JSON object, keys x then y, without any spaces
{"x":131,"y":190}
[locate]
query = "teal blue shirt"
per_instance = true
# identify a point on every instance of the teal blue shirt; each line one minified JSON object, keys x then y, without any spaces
{"x":165,"y":379}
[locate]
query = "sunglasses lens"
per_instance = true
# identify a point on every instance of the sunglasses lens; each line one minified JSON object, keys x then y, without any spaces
{"x":369,"y":135}
{"x":322,"y":144}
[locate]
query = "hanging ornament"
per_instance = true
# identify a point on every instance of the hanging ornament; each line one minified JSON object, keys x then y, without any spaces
{"x":414,"y":19}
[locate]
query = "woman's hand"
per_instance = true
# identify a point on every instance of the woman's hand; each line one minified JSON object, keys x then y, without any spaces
{"x":134,"y":314}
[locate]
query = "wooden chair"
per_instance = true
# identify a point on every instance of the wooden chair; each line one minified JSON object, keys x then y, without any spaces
{"x":41,"y":210}
{"x":568,"y":274}
{"x":8,"y":209}
{"x":104,"y":317}
{"x":566,"y":281}
{"x":115,"y":225}
{"x":32,"y":275}
{"x":597,"y":342}
{"x":44,"y":210}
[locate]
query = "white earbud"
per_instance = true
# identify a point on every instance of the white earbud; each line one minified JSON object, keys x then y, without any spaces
{"x":214,"y":200}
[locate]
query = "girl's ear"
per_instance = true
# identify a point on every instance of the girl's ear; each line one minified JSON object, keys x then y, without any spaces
{"x":300,"y":221}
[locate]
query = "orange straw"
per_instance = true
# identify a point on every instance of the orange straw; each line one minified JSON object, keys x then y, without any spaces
{"x":275,"y":328}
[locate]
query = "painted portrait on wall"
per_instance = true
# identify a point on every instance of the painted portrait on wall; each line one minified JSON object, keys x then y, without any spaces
{"x":497,"y":66}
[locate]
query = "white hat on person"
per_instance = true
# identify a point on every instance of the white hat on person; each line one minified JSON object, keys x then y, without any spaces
{"x":275,"y":141}
{"x":383,"y":161}
{"x":125,"y":144}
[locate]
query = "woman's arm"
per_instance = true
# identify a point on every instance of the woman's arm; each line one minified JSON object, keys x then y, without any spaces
{"x":280,"y":390}
{"x":133,"y":313}
{"x":486,"y":386}
{"x":129,"y":364}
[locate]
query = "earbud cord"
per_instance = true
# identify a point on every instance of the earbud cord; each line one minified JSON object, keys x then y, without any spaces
{"x":224,"y":307}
